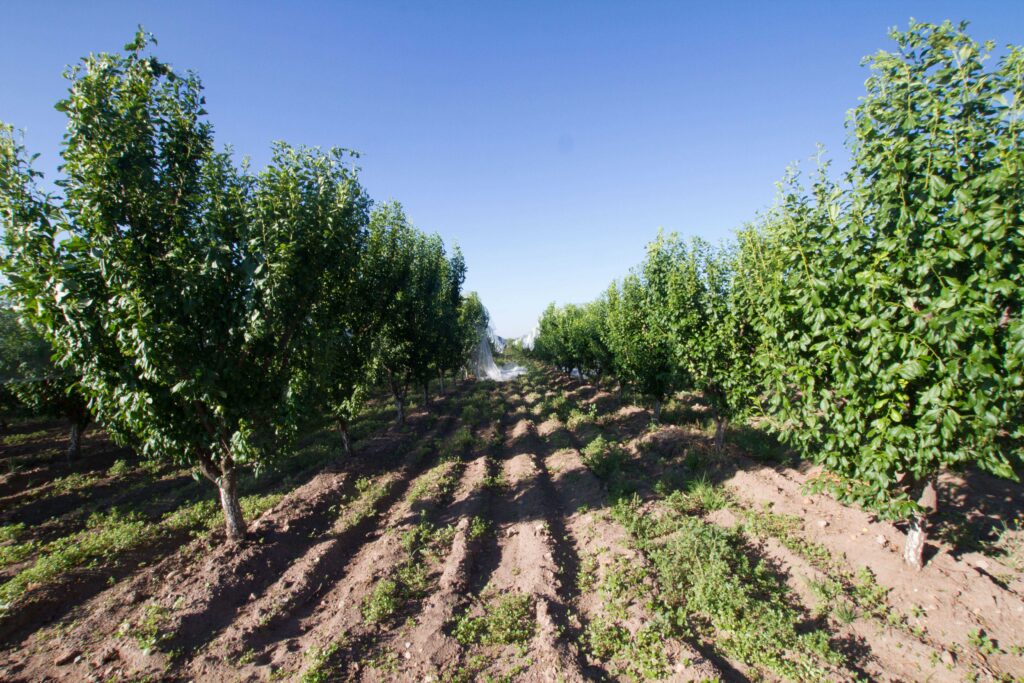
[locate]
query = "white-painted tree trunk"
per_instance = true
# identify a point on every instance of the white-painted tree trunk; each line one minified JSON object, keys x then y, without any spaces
{"x":346,"y":443}
{"x":234,"y":521}
{"x":74,"y":442}
{"x":917,"y":532}
{"x":720,"y":424}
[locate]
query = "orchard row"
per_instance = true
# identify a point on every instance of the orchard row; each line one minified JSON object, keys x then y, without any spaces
{"x":200,"y":311}
{"x":874,"y":320}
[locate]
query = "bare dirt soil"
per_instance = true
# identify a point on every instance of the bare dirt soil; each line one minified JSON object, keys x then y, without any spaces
{"x":535,"y":530}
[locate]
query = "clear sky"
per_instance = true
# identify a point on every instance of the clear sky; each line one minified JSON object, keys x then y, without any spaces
{"x":550,"y":140}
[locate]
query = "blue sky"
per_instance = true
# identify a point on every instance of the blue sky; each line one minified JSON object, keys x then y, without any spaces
{"x":550,"y":140}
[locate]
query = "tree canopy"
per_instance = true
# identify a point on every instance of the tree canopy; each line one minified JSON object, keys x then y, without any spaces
{"x":878,"y":316}
{"x":205,"y":307}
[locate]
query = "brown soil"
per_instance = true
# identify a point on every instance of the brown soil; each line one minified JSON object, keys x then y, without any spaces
{"x":516,"y":513}
{"x":956,"y":597}
{"x":593,"y":535}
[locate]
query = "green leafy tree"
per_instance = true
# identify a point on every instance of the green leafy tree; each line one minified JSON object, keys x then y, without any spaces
{"x":393,"y":319}
{"x":561,"y":340}
{"x":186,"y":292}
{"x":473,"y":323}
{"x":639,"y":331}
{"x":710,"y":308}
{"x":347,"y":379}
{"x":430,"y":316}
{"x":413,"y":267}
{"x":549,"y":345}
{"x":452,"y":352}
{"x":895,"y":309}
{"x":33,"y":380}
{"x":344,"y":369}
{"x":30,"y":380}
{"x":19,"y":347}
{"x":599,"y":358}
{"x":572,"y":337}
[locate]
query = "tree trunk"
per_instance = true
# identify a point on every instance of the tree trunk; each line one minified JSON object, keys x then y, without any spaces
{"x":720,"y":425}
{"x":426,"y":395}
{"x":400,"y":410}
{"x":440,"y":380}
{"x":346,"y":443}
{"x":224,"y":478}
{"x":234,"y":521}
{"x":399,"y":399}
{"x":75,"y":441}
{"x":917,"y":534}
{"x":657,"y":409}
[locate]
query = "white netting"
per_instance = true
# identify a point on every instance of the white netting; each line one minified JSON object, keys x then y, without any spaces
{"x":482,"y":363}
{"x":527,"y":341}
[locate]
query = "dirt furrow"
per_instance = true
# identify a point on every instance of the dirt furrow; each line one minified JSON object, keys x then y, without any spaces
{"x":203,"y":584}
{"x":311,"y":575}
{"x":607,"y":557}
{"x":260,"y":621}
{"x":428,"y":644}
{"x":183,"y":601}
{"x":340,"y":613}
{"x":952,"y":598}
{"x":525,"y":564}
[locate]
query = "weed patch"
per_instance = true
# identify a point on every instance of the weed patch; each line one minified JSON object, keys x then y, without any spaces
{"x":605,"y":459}
{"x":147,"y":634}
{"x":106,"y":536}
{"x":699,"y":495}
{"x":577,"y":418}
{"x":843,"y":592}
{"x":640,"y":655}
{"x":320,"y":669}
{"x":423,"y":544}
{"x":720,"y":593}
{"x":509,"y":621}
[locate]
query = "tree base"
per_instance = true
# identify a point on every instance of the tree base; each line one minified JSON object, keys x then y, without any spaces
{"x":913,"y":550}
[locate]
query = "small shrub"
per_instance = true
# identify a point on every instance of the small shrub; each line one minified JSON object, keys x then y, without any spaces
{"x":152,"y":468}
{"x":845,"y":613}
{"x":383,"y":602}
{"x":510,"y":621}
{"x":983,"y":642}
{"x":603,"y":458}
{"x":74,"y":482}
{"x":578,"y":418}
{"x":319,"y":670}
{"x":457,"y":444}
{"x":120,"y":468}
{"x":478,"y":528}
{"x":17,"y":552}
{"x":495,"y":482}
{"x":471,"y":414}
{"x":701,"y":495}
{"x":147,"y":634}
{"x":11,"y":532}
{"x":641,"y":655}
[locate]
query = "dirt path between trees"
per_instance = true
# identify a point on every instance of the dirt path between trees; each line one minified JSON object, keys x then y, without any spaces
{"x":537,"y":530}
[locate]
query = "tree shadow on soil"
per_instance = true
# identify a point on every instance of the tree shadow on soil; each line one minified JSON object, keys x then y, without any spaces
{"x":274,"y":550}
